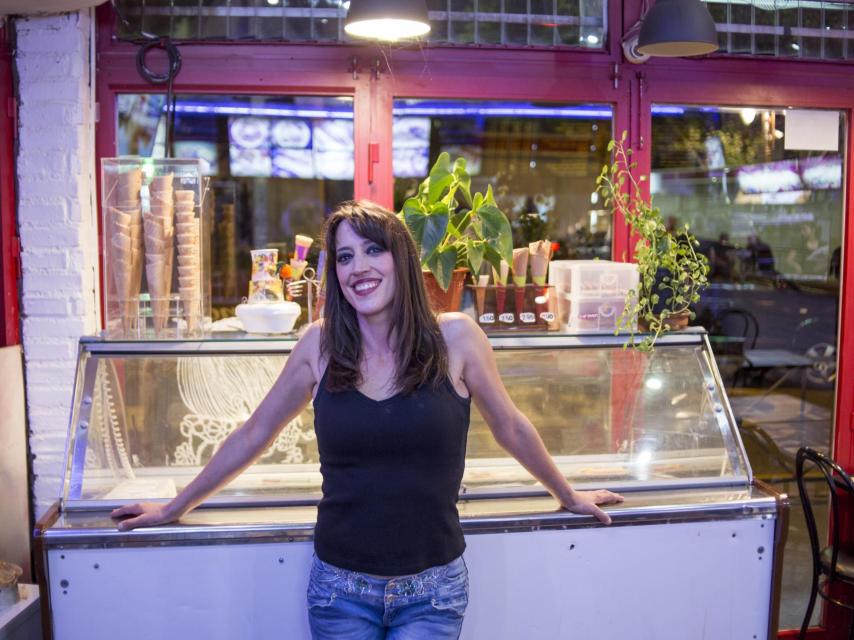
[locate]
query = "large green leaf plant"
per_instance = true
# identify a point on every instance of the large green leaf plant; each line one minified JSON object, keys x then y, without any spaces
{"x":453,"y":227}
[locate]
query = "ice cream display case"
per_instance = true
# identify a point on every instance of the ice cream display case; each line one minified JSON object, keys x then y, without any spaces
{"x":694,"y":551}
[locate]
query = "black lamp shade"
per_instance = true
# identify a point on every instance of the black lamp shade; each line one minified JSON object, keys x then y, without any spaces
{"x":387,"y":19}
{"x":677,"y":28}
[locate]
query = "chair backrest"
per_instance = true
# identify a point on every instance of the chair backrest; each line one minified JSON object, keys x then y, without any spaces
{"x":733,"y":321}
{"x":836,"y":478}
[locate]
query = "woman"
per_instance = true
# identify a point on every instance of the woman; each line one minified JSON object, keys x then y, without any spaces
{"x":391,"y":386}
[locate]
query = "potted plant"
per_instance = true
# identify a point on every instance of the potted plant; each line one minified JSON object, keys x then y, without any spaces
{"x":672,"y":273}
{"x":455,"y":230}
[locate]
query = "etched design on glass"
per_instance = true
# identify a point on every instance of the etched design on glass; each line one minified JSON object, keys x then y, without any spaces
{"x":108,"y":422}
{"x":221,"y":394}
{"x":204,"y":435}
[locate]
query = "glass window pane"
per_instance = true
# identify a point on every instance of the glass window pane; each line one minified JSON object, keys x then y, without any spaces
{"x":541,"y":159}
{"x":277,"y":166}
{"x":814,"y":30}
{"x":579,"y":23}
{"x":770,"y":221}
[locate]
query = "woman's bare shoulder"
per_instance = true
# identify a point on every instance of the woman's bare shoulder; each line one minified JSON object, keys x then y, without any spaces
{"x":459,"y":330}
{"x":308,"y":347}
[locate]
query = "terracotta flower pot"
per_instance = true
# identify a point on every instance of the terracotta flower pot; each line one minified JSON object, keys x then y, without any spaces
{"x":442,"y":301}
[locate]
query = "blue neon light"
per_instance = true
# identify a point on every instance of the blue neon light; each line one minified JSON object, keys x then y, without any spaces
{"x":591,"y":112}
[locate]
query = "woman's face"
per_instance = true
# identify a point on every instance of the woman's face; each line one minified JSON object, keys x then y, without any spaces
{"x":365,"y":271}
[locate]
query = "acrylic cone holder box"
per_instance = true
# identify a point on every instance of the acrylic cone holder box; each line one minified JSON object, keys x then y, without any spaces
{"x":496,"y":307}
{"x":156,"y":248}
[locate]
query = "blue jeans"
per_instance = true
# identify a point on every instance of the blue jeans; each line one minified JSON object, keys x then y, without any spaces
{"x":348,"y":605}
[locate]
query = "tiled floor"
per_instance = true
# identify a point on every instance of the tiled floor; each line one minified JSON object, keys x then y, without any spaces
{"x":773,"y":428}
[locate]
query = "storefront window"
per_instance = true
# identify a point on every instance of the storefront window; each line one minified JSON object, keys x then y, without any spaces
{"x":543,"y":23}
{"x":541,"y":160}
{"x":784,"y":28}
{"x":277,"y":165}
{"x":762,"y":189}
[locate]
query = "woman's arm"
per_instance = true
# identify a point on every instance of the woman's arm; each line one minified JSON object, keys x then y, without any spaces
{"x":287,"y":398}
{"x":511,"y":428}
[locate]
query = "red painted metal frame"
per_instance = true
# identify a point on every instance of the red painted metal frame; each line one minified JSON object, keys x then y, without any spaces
{"x":384,"y":73}
{"x":736,"y":82}
{"x":9,"y":246}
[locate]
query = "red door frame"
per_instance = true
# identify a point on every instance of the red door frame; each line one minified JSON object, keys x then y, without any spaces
{"x":499,"y":73}
{"x":243,"y":70}
{"x":10,"y":246}
{"x":732,"y":82}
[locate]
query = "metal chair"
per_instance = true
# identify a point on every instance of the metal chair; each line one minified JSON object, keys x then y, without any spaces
{"x":733,"y":332}
{"x":830,"y":562}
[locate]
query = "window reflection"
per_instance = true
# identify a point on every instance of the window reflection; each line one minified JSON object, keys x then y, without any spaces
{"x":541,"y":159}
{"x":768,"y":215}
{"x":278,"y":165}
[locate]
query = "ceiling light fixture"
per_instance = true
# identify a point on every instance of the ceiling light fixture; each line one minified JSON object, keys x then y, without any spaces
{"x":388,"y":20}
{"x":675,"y":28}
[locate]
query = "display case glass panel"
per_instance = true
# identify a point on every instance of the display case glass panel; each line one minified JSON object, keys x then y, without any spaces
{"x":147,"y":419}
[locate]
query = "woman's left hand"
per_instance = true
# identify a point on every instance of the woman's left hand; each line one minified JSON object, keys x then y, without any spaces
{"x":586,"y":503}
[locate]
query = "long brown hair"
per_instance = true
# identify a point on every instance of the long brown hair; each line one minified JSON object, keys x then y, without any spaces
{"x":421,"y":353}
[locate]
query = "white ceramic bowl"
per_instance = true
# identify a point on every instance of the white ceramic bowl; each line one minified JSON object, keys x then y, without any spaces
{"x":268,"y":317}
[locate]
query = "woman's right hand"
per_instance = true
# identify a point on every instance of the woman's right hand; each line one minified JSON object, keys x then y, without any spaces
{"x":143,"y":514}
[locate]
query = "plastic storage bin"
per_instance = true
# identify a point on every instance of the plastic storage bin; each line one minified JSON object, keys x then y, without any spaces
{"x":600,"y":314}
{"x":586,"y":278}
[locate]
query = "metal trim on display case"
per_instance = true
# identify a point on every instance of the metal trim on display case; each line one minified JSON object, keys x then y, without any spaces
{"x":242,"y":344}
{"x":79,"y":427}
{"x":297,"y":500}
{"x":781,"y":532}
{"x":733,"y":424}
{"x":691,"y":509}
{"x":41,"y":564}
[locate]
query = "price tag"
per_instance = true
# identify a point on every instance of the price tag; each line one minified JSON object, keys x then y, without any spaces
{"x":506,"y":318}
{"x":548,"y":316}
{"x":487,"y":318}
{"x":527,"y":317}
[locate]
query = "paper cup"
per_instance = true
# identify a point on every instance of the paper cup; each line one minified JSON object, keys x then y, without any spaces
{"x":188,"y":261}
{"x":187,"y":227}
{"x":187,"y":271}
{"x":188,"y":238}
{"x":160,"y":183}
{"x":121,"y":217}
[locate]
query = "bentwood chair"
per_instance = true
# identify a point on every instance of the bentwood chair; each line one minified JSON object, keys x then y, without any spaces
{"x":830,"y":564}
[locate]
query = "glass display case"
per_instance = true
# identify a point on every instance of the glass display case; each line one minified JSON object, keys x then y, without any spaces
{"x":150,"y":415}
{"x":155,"y":247}
{"x":656,"y":427}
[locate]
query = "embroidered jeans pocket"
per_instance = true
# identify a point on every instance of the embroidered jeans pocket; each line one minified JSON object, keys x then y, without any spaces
{"x":456,"y":570}
{"x":319,"y":598}
{"x":453,"y":601}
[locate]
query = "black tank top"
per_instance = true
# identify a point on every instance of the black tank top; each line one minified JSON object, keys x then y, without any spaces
{"x":391,"y":477}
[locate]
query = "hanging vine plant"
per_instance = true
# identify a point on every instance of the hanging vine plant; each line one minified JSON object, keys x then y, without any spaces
{"x":672,"y":272}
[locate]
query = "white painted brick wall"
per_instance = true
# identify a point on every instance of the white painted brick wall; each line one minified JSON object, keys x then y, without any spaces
{"x":57,"y":223}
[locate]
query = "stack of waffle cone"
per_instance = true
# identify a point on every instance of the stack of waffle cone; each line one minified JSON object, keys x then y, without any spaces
{"x":124,"y":228}
{"x":159,"y":248}
{"x":189,"y":268}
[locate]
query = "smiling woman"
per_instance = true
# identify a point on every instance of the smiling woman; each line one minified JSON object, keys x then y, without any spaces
{"x":377,"y":280}
{"x":392,"y":386}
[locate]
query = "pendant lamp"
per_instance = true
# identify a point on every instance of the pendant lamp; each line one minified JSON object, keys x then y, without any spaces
{"x":387,"y":19}
{"x":677,"y":28}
